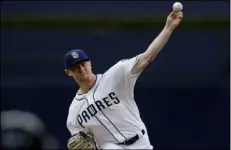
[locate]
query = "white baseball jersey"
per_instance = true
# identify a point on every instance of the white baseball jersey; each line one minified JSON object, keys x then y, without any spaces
{"x":109,"y":110}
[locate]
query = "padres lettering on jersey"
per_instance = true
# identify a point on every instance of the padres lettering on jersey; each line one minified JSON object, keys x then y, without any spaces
{"x":98,"y":105}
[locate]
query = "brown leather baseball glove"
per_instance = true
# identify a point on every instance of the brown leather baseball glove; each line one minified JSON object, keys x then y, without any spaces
{"x":83,"y":141}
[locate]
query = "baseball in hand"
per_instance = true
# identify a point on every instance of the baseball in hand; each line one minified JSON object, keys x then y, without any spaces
{"x":177,"y":6}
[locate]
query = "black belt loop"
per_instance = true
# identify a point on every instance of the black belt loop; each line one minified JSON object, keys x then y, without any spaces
{"x":132,"y":140}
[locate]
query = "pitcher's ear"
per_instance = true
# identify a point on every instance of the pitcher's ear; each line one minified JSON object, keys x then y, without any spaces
{"x":67,"y":72}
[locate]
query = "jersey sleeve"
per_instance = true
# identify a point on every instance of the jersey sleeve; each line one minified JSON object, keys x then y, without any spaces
{"x":122,"y":72}
{"x":71,"y":122}
{"x":126,"y":65}
{"x":120,"y":79}
{"x":72,"y":129}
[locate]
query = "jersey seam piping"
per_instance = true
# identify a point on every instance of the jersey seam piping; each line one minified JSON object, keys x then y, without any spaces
{"x":105,"y":115}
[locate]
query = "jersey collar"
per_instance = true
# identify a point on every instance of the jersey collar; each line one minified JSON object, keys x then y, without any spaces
{"x":82,"y":96}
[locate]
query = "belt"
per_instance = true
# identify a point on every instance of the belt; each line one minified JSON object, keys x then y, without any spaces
{"x":132,"y":140}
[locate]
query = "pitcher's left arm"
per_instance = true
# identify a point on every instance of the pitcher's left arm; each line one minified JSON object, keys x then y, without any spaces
{"x":159,"y":42}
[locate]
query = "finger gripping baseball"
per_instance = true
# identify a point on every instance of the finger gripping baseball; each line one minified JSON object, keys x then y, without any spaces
{"x":81,"y":141}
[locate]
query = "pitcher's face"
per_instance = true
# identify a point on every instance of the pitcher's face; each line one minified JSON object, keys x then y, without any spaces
{"x":80,"y":71}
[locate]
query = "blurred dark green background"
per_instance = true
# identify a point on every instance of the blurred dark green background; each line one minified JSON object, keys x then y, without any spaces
{"x":183,"y":96}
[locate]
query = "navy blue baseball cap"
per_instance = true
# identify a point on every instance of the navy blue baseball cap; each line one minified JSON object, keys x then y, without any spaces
{"x":74,"y":56}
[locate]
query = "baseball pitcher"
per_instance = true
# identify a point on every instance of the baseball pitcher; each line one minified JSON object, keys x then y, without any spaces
{"x":103,"y":113}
